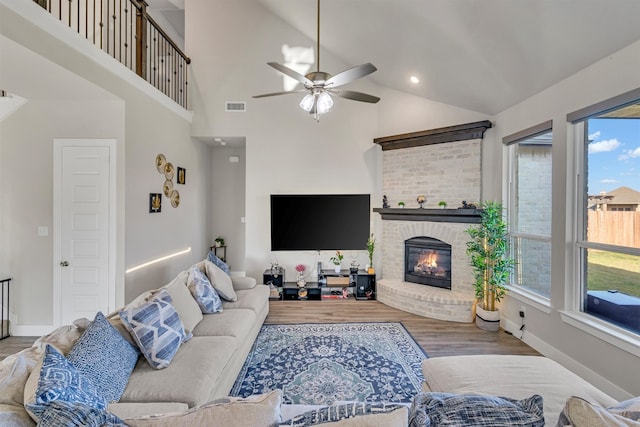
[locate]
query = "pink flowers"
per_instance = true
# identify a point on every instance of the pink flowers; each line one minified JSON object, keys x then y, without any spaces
{"x":300,"y":268}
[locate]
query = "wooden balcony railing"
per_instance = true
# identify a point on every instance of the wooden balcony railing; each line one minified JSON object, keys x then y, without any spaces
{"x":124,"y":30}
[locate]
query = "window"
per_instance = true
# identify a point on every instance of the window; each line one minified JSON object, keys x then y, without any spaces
{"x":530,"y":208}
{"x":608,"y":234}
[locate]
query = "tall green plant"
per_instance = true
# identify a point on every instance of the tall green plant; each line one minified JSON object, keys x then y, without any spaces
{"x":489,"y":254}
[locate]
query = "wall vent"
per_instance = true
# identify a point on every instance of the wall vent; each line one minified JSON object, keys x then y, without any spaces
{"x":235,"y":106}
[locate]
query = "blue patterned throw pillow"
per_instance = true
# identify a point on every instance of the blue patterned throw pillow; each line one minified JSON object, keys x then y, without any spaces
{"x":220,"y":263}
{"x":60,"y":381}
{"x":77,"y":415}
{"x":435,"y":409}
{"x":104,"y":356}
{"x":156,"y":328}
{"x":202,"y":291}
{"x":336,"y":413}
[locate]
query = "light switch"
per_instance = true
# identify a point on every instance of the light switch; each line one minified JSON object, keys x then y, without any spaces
{"x":242,"y":220}
{"x":43,"y":230}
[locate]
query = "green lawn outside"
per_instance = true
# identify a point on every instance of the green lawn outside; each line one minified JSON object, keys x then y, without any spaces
{"x":609,"y":270}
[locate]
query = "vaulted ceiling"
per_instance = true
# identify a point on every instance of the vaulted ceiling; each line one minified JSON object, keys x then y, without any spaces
{"x":484,"y":55}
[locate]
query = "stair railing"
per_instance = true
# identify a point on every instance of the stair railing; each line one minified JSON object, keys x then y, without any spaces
{"x":125,"y":31}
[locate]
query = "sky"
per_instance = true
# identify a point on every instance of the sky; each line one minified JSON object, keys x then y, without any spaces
{"x":614,"y":154}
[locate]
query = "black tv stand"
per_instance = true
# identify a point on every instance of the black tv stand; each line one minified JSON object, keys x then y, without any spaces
{"x":363,"y":283}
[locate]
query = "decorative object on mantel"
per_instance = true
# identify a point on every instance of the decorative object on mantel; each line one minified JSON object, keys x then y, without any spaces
{"x":491,"y":263}
{"x":442,"y":204}
{"x":421,"y":199}
{"x":155,"y":202}
{"x":337,"y":261}
{"x":385,"y":202}
{"x":300,"y":268}
{"x":371,"y":246}
{"x":466,"y":205}
{"x":401,"y":205}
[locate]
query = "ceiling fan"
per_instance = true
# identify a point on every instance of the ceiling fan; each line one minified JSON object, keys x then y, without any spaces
{"x":321,"y":85}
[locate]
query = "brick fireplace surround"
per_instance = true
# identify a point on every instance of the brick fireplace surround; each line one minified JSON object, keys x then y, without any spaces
{"x":443,"y":164}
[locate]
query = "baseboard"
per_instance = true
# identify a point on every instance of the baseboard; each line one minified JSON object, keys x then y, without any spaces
{"x":30,"y":330}
{"x":568,"y":362}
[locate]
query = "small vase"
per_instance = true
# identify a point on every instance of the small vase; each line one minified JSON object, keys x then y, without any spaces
{"x":337,"y":269}
{"x":300,"y":280}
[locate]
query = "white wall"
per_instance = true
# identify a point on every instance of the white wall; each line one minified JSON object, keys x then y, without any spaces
{"x":608,"y":366}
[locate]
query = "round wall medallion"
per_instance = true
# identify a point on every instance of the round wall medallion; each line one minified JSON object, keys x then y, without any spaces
{"x":169,"y":170}
{"x":175,"y":198}
{"x":167,"y":188}
{"x":161,"y":161}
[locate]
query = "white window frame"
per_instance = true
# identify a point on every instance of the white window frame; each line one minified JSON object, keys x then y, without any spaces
{"x":520,"y":293}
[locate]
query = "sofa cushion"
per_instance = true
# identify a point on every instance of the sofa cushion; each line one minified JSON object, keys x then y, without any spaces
{"x":55,"y":378}
{"x":356,"y":414}
{"x":236,"y":323}
{"x":220,"y":281}
{"x":183,"y":302}
{"x":578,"y":412}
{"x":254,"y":299}
{"x":105,"y":357}
{"x":243,"y":282}
{"x":217,"y":261}
{"x":125,"y":410}
{"x":204,"y":294}
{"x":15,"y":416}
{"x":516,"y":377}
{"x":261,"y":410}
{"x":156,"y":328}
{"x":447,"y":409}
{"x":189,"y":378}
{"x":70,"y":414}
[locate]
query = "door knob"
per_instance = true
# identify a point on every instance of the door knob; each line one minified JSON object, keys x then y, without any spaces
{"x":64,"y":263}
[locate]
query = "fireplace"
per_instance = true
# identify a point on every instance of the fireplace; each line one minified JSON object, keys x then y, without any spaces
{"x":427,"y":262}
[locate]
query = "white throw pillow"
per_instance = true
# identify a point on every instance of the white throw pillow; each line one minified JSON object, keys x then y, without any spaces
{"x":183,"y":302}
{"x":220,"y":281}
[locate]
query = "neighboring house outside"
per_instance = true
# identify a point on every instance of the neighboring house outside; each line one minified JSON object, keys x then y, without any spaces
{"x":620,"y":199}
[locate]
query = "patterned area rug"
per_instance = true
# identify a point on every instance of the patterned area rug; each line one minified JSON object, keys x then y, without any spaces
{"x":320,"y":364}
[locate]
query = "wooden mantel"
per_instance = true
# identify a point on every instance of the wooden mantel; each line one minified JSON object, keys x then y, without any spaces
{"x":469,"y":216}
{"x":434,"y":136}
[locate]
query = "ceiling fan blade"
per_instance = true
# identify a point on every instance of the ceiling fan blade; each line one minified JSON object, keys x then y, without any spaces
{"x":356,"y":96}
{"x":291,"y":73}
{"x":350,"y":75}
{"x":264,"y":95}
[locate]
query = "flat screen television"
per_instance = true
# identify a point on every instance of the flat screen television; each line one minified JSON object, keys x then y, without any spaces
{"x":301,"y":222}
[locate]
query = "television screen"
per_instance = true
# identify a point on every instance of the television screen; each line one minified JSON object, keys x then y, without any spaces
{"x":319,"y":222}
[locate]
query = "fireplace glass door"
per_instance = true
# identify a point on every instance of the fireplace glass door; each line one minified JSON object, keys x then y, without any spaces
{"x":427,"y":262}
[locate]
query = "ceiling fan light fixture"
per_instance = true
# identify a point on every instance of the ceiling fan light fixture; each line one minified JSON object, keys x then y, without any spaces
{"x":324,"y":103}
{"x":307,"y":102}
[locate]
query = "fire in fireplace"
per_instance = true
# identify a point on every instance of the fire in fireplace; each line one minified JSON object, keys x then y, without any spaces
{"x":427,"y":262}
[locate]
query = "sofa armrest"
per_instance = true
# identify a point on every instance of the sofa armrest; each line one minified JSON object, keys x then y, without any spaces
{"x":243,"y":282}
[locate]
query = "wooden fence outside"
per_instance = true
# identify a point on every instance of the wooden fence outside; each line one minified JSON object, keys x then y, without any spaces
{"x":621,"y":228}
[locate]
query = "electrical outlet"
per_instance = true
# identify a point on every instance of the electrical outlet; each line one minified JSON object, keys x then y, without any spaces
{"x":523,"y":311}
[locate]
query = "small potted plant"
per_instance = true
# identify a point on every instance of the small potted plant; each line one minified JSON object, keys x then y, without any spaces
{"x":401,"y":204}
{"x":371,"y":245}
{"x":337,"y":261}
{"x":442,"y":204}
{"x":491,"y":263}
{"x":219,"y":242}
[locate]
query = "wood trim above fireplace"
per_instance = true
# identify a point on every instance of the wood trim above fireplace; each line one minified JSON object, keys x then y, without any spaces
{"x":469,"y":216}
{"x":434,"y":136}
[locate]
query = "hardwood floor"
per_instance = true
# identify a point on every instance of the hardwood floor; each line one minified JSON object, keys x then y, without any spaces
{"x":436,"y":337}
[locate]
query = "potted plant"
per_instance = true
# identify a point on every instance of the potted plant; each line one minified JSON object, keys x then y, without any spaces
{"x":489,"y":254}
{"x":219,"y":242}
{"x":337,"y":260}
{"x":442,"y":204}
{"x":300,"y":268}
{"x":401,"y":204}
{"x":371,"y":245}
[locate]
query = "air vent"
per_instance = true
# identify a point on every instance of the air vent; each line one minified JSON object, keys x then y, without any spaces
{"x":235,"y":106}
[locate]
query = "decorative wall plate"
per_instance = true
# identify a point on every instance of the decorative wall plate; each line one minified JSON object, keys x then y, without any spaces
{"x":161,"y":161}
{"x":167,"y":188}
{"x":175,"y":198}
{"x":169,"y":170}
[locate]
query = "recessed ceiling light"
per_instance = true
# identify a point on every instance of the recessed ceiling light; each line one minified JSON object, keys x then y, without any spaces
{"x":414,"y":79}
{"x":223,"y":143}
{"x":217,"y":139}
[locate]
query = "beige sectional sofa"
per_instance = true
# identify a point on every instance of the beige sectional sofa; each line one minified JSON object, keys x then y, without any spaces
{"x":203,"y":369}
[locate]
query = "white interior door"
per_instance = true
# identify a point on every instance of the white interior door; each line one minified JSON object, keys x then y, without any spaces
{"x":84,"y":221}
